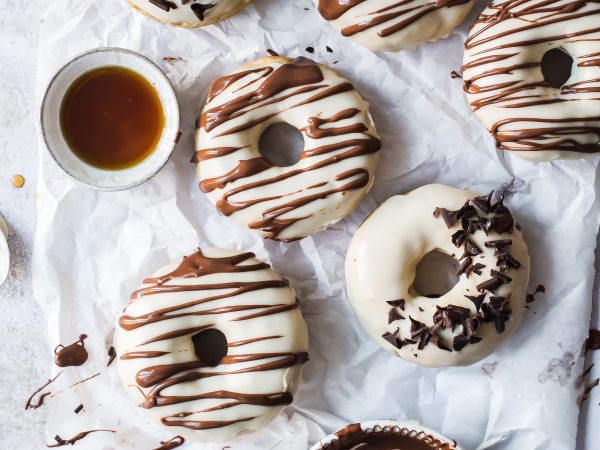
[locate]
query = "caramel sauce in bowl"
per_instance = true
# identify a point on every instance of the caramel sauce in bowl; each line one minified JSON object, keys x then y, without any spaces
{"x":110,"y":119}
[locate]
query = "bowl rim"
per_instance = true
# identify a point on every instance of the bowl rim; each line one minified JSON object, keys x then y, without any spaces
{"x":407,"y":423}
{"x":171,"y":93}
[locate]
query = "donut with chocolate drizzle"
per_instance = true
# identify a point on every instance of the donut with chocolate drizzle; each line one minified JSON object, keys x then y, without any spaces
{"x":337,"y":163}
{"x":188,"y":13}
{"x":213,"y":346}
{"x":472,"y":319}
{"x":392,"y":25}
{"x":532,"y":76}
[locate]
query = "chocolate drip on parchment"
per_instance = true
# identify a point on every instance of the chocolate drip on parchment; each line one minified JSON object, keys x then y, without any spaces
{"x":71,"y":441}
{"x":72,"y":355}
{"x":158,"y":377}
{"x":300,"y":76}
{"x":493,"y":48}
{"x":385,"y":438}
{"x":172,"y":443}
{"x":397,"y":16}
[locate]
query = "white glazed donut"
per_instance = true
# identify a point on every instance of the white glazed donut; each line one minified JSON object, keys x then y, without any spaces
{"x":336,"y":166}
{"x":189,"y":13}
{"x":192,"y":379}
{"x":392,"y":25}
{"x":471,"y":320}
{"x":537,"y":117}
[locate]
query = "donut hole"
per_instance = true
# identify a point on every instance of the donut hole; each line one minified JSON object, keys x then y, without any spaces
{"x":556,"y":67}
{"x":281,"y":144}
{"x":210,"y":346}
{"x":435,"y":274}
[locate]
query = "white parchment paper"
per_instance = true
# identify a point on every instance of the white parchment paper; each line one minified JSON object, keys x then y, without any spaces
{"x":92,"y":249}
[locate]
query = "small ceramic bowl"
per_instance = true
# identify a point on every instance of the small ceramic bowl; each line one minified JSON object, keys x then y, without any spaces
{"x":409,"y":434}
{"x":108,"y":180}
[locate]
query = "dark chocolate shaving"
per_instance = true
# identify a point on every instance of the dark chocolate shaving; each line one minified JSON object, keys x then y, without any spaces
{"x":484,"y":202}
{"x":471,"y":248}
{"x":394,"y":315}
{"x":593,"y":340}
{"x":459,"y":238}
{"x":475,"y":268}
{"x":397,"y":303}
{"x":464,"y":266}
{"x":78,"y":409}
{"x":199,"y":9}
{"x":112,"y":354}
{"x":498,"y":243}
{"x":165,"y":5}
{"x":477,"y":300}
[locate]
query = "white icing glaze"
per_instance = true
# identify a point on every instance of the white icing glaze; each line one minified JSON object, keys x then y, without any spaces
{"x":381,"y":264}
{"x":337,"y":163}
{"x":224,"y":299}
{"x":504,"y":81}
{"x":184,"y":16}
{"x":392,"y":25}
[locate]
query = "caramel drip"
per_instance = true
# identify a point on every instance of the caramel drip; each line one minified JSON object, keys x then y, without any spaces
{"x":156,"y":378}
{"x":385,"y":438}
{"x":576,"y":132}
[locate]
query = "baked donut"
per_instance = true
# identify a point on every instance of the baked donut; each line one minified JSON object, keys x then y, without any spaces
{"x":336,"y":166}
{"x":392,"y":25}
{"x":471,"y":320}
{"x":212,"y":347}
{"x":189,"y":13}
{"x":532,"y":75}
{"x":386,"y":435}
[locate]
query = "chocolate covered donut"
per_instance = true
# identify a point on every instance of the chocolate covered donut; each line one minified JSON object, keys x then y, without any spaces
{"x":532,"y":75}
{"x":477,"y":314}
{"x":386,"y":435}
{"x":213,"y":346}
{"x":392,"y":25}
{"x":336,"y":165}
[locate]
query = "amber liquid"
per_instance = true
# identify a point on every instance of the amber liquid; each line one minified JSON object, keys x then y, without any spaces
{"x":111,"y":118}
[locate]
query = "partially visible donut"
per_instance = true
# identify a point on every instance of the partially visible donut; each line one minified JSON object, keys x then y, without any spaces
{"x":337,"y":163}
{"x":532,"y":75}
{"x":392,"y":25}
{"x":189,"y":13}
{"x":212,"y":347}
{"x":471,"y":320}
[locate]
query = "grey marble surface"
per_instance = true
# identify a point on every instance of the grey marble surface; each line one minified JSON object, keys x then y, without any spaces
{"x":25,"y":362}
{"x":25,"y":359}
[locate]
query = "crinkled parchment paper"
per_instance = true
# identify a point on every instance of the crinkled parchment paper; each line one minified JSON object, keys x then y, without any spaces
{"x":93,"y":248}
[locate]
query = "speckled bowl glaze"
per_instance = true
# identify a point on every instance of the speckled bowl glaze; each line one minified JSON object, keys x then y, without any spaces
{"x":410,"y":428}
{"x":108,"y":180}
